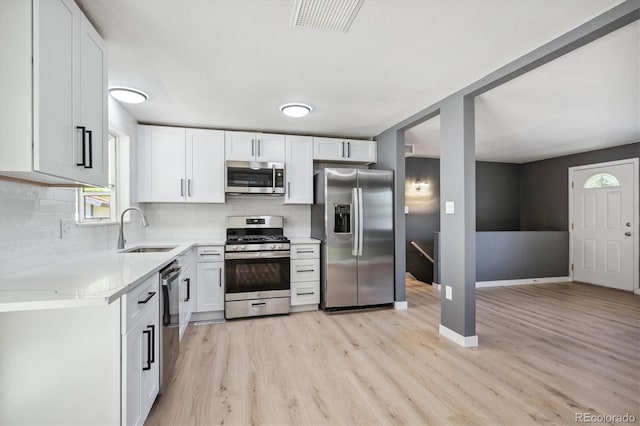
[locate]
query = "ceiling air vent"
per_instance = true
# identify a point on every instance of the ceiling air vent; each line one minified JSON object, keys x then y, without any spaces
{"x":408,"y":150}
{"x":335,"y":15}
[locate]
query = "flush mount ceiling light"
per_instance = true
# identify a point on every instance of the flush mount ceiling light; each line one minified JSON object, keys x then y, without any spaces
{"x":295,"y":110}
{"x":128,"y":95}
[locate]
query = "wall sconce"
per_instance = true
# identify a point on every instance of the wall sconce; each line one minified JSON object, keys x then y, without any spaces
{"x":419,"y":184}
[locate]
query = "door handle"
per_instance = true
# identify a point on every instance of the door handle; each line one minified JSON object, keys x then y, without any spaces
{"x":360,"y":222}
{"x":253,"y":147}
{"x":356,"y":221}
{"x":220,"y":277}
{"x":84,"y":145}
{"x":288,"y":189}
{"x":628,"y":224}
{"x":628,"y":234}
{"x":189,"y":187}
{"x":343,"y":149}
{"x":153,"y":342}
{"x":90,"y":165}
{"x":182,"y":187}
{"x":348,"y":149}
{"x":148,"y":333}
{"x":188,"y":281}
{"x":259,"y":147}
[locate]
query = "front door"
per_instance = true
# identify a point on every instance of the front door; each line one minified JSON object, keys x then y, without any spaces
{"x":603,"y":225}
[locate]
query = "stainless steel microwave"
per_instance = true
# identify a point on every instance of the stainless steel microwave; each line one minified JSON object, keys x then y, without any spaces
{"x":250,"y":177}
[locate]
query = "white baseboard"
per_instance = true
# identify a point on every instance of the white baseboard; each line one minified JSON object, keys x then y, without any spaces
{"x":401,"y":306}
{"x":464,"y":341}
{"x":524,"y":281}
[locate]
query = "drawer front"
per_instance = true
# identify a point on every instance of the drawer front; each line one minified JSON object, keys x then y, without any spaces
{"x":305,"y":251}
{"x":146,"y":295}
{"x":257,"y":307}
{"x":305,"y":293}
{"x":210,"y":254}
{"x":305,"y":270}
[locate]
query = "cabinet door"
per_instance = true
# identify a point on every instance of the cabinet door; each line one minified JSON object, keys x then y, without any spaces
{"x":299,"y":170}
{"x":240,"y":146}
{"x":270,"y":148}
{"x":361,"y":151}
{"x":162,"y":164}
{"x":328,"y":149}
{"x":210,"y":287}
{"x":205,"y":166}
{"x":93,"y":103}
{"x":134,"y":347}
{"x":151,"y":346}
{"x":57,"y":143}
{"x":187,"y":291}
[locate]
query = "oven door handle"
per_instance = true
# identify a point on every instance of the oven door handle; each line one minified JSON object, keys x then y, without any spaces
{"x":258,"y":255}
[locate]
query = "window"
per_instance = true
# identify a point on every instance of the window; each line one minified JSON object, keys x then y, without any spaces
{"x":101,"y":205}
{"x":601,"y":180}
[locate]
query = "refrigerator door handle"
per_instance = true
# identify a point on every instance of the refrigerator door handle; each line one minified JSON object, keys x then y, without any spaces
{"x":360,"y":222}
{"x":356,"y":221}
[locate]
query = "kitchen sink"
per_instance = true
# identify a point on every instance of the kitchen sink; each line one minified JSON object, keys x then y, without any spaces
{"x":148,"y":249}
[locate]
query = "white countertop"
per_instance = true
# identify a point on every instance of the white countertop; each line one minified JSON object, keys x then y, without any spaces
{"x":96,"y":279}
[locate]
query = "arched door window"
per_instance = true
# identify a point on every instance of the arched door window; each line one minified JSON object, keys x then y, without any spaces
{"x":601,"y":180}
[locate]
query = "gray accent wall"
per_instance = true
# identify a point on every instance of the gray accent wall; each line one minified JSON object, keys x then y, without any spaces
{"x":497,"y":206}
{"x":544,"y":194}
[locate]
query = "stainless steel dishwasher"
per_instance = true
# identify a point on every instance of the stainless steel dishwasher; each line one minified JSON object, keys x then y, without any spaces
{"x":169,"y":339}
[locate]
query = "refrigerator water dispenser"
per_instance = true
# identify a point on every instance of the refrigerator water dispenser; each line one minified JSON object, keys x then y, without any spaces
{"x":342,"y":219}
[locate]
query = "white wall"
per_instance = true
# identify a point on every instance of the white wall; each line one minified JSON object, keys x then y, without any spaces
{"x":30,"y":217}
{"x":208,"y":221}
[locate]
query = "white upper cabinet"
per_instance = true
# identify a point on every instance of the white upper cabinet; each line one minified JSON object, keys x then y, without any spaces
{"x":180,"y":165}
{"x":205,"y":166}
{"x":247,"y":146}
{"x":53,"y":125}
{"x":345,"y":150}
{"x":299,"y":170}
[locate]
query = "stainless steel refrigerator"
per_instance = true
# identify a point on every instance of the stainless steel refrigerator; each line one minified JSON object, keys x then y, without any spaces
{"x":353,"y":217}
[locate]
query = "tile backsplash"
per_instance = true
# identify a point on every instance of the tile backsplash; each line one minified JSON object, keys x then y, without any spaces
{"x":201,"y":221}
{"x":30,"y":234}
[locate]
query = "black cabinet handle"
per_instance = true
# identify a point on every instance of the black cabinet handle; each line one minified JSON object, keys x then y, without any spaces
{"x":188,"y":280}
{"x":90,"y":165}
{"x":305,"y":270}
{"x":306,"y":294}
{"x":84,"y":143}
{"x":259,"y":304}
{"x":220,"y":276}
{"x":348,"y":149}
{"x":153,"y":342}
{"x":148,"y":333}
{"x":151,"y":294}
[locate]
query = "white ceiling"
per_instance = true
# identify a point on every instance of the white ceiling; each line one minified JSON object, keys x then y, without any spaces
{"x":231,"y":64}
{"x":585,"y":100}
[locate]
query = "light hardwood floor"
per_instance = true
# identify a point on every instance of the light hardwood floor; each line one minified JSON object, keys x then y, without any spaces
{"x":546,"y":353}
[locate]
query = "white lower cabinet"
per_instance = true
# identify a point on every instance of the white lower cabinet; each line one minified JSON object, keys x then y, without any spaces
{"x":305,"y":276}
{"x":140,"y":352}
{"x":210,"y":279}
{"x":186,"y":291}
{"x":84,"y":365}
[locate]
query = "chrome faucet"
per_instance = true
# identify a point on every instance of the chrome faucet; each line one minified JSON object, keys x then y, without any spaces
{"x":121,"y":239}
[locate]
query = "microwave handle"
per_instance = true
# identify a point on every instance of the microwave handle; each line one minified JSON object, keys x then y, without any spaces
{"x":273,"y":178}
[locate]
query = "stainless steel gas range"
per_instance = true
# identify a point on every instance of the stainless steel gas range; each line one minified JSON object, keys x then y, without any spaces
{"x":257,"y":261}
